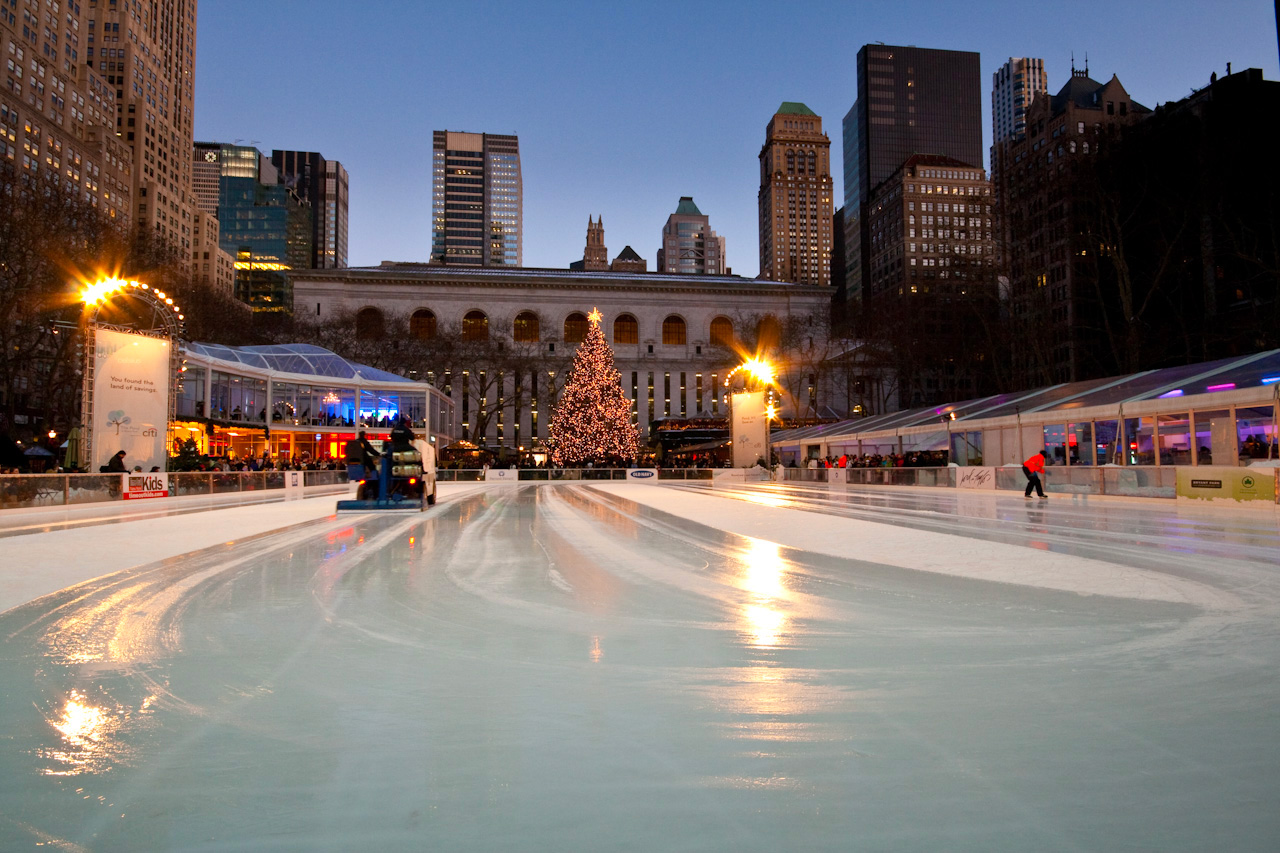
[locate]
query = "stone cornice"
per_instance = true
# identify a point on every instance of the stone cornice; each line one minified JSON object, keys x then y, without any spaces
{"x":563,"y":280}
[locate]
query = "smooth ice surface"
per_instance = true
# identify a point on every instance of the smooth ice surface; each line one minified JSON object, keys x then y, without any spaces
{"x":621,"y":667}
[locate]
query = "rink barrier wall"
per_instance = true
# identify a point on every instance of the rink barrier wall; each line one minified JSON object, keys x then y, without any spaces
{"x":41,"y":490}
{"x":1139,"y":481}
{"x":564,"y":475}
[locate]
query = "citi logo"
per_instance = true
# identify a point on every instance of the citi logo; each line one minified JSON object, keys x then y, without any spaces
{"x":150,"y":433}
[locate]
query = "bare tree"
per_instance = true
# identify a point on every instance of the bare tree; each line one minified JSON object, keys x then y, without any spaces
{"x":50,"y":241}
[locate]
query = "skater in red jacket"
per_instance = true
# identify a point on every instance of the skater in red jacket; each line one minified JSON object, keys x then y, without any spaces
{"x":1033,"y":468}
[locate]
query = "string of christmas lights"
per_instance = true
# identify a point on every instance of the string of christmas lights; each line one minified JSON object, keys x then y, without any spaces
{"x":592,"y":420}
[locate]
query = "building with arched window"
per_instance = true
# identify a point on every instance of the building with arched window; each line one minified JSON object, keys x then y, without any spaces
{"x":674,"y":337}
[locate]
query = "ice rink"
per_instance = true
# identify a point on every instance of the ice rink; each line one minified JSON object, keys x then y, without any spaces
{"x":645,"y":667}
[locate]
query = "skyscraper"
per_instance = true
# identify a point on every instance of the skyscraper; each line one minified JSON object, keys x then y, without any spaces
{"x":263,"y":225}
{"x":1013,"y":88}
{"x":932,"y":278}
{"x":795,"y":198}
{"x":911,"y":100}
{"x":148,"y":52}
{"x":322,"y":184}
{"x":689,"y":246}
{"x":206,"y":174}
{"x":476,"y":204}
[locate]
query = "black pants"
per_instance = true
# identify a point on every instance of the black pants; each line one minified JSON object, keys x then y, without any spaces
{"x":1033,"y":482}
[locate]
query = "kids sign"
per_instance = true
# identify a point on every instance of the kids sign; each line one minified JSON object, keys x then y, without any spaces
{"x":130,"y":398}
{"x":154,"y":485}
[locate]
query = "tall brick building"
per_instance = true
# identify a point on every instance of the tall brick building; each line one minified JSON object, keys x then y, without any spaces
{"x":1045,"y":183}
{"x":795,"y":198}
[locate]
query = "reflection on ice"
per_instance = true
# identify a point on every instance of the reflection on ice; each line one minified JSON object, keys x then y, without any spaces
{"x":88,"y":738}
{"x":763,"y":571}
{"x":420,"y":683}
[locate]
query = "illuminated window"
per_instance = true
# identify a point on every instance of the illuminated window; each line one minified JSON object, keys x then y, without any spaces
{"x":575,"y":328}
{"x":422,"y":324}
{"x":673,"y":331}
{"x":722,"y":332}
{"x":626,"y":330}
{"x":475,"y":326}
{"x":526,"y":328}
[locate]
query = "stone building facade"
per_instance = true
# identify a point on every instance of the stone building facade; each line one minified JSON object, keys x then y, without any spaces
{"x":675,"y":337}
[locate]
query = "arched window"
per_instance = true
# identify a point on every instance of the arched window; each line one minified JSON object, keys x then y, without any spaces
{"x":813,"y":163}
{"x":626,"y":330}
{"x":422,"y":324}
{"x":575,"y":328}
{"x":673,"y":331}
{"x":370,"y":324}
{"x":768,"y":333}
{"x":526,"y":329}
{"x":475,"y":326}
{"x":722,"y":332}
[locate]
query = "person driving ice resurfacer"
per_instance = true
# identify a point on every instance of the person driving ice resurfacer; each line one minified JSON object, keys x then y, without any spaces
{"x":404,"y":476}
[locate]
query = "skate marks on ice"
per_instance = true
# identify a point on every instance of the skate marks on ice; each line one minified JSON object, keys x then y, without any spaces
{"x":816,"y":526}
{"x":567,"y":667}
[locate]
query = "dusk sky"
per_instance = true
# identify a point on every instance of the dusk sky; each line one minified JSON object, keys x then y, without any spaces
{"x":623,"y":108}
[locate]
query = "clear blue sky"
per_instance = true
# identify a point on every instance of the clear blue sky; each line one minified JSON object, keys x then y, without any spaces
{"x":622,"y":108}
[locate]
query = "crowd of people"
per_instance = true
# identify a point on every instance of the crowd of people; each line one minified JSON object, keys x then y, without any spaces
{"x":913,"y":459}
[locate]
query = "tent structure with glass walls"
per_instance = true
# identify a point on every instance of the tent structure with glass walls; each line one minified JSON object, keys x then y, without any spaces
{"x":1213,"y":413}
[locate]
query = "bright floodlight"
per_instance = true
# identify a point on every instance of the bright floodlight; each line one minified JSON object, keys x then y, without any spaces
{"x":101,"y":289}
{"x":760,"y":370}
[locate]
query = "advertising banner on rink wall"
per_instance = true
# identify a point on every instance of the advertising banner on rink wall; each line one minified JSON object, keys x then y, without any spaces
{"x":147,"y":486}
{"x":130,"y":399}
{"x":750,"y":429}
{"x":1207,"y":483}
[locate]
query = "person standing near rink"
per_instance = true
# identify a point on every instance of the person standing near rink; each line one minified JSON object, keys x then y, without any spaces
{"x":1033,"y":468}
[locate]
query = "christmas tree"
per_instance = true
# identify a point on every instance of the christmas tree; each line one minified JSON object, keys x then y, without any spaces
{"x":592,"y":421}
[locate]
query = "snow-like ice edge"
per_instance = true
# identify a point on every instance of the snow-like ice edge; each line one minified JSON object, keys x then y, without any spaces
{"x":921,"y":550}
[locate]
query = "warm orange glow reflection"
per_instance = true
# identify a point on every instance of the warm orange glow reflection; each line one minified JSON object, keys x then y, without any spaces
{"x":87,"y":733}
{"x":596,"y":651}
{"x":764,"y":624}
{"x":763,"y":500}
{"x":763,"y":571}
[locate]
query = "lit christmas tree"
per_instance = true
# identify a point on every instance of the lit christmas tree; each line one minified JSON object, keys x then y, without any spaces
{"x":592,"y":421}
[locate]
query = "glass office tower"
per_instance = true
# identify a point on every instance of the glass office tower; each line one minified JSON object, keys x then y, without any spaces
{"x":476,"y":204}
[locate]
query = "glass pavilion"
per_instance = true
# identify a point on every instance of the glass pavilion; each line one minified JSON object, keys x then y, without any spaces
{"x":295,"y":399}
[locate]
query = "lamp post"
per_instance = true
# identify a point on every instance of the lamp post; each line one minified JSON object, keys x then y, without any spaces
{"x":758,"y":378}
{"x":102,"y":300}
